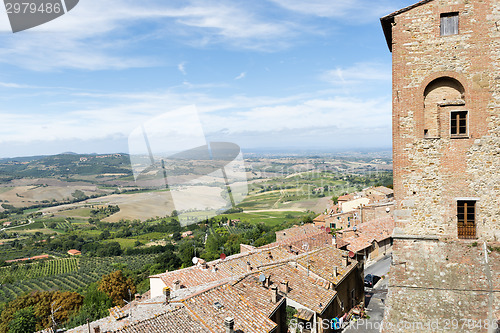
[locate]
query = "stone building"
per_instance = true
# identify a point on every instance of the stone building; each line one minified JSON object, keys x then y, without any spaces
{"x":446,"y":151}
{"x":446,"y":117}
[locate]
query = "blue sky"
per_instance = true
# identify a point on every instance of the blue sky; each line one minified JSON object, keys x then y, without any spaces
{"x":262,"y":73}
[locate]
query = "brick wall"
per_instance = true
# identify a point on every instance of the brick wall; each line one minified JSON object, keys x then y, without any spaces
{"x":431,"y":168}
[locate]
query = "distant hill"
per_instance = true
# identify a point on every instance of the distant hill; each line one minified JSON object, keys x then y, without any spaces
{"x":64,"y":165}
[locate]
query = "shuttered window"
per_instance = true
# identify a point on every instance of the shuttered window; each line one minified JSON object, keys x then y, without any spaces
{"x":466,"y":218}
{"x":449,"y":24}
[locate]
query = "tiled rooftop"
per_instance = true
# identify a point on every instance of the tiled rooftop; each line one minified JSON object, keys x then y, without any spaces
{"x":178,"y":320}
{"x":305,"y":242}
{"x":252,"y":289}
{"x":358,"y":243}
{"x":384,"y":190}
{"x":303,"y":289}
{"x":366,"y":233}
{"x":136,"y":312}
{"x":211,"y":307}
{"x":219,"y":270}
{"x":320,"y":218}
{"x":295,"y":231}
{"x":322,"y":263}
{"x":347,"y":197}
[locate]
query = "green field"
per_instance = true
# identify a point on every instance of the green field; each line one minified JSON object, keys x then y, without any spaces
{"x":269,"y":218}
{"x":38,"y":269}
{"x":63,"y":275}
{"x":124,"y":242}
{"x":79,"y":212}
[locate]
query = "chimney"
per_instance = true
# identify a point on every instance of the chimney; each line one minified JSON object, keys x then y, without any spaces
{"x":229,"y":325}
{"x":268,"y":281}
{"x":270,"y":255}
{"x":202,"y":264}
{"x":97,"y":329}
{"x":335,"y":272}
{"x":345,"y":260}
{"x":249,"y":267}
{"x":138,"y":297}
{"x":274,"y":294}
{"x":177,"y":285}
{"x":166,"y":292}
{"x":284,"y":287}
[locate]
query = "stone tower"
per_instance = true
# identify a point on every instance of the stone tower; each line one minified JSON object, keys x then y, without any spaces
{"x":446,"y":151}
{"x":446,"y":118}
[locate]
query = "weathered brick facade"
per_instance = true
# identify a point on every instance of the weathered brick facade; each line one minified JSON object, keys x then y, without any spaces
{"x":433,"y":76}
{"x":441,"y":82}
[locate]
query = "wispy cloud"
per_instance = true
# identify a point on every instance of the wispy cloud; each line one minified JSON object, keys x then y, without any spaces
{"x":118,"y":114}
{"x":97,"y":34}
{"x":357,"y":11}
{"x":15,"y":85}
{"x":241,"y":76}
{"x":358,"y":74}
{"x":182,"y":67}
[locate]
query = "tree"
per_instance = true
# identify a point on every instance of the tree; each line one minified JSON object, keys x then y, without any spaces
{"x":105,"y":235}
{"x":95,"y":306}
{"x":166,"y":261}
{"x":42,"y":302}
{"x":213,"y":246}
{"x":110,"y":249}
{"x":117,"y":287}
{"x":24,"y":321}
{"x":186,"y":253}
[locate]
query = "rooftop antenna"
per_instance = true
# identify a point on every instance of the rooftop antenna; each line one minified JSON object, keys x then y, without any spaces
{"x":262,"y":278}
{"x":305,"y":246}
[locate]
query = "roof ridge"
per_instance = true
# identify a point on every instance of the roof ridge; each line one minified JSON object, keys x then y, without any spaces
{"x":219,"y":261}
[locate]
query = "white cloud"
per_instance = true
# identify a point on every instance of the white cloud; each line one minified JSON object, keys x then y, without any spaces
{"x":15,"y":85}
{"x":241,"y":76}
{"x":96,"y":34}
{"x":182,"y":67}
{"x":356,"y":11}
{"x":257,"y":117}
{"x":359,"y":73}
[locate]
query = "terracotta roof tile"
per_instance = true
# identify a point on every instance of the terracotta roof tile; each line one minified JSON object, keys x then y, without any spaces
{"x":213,"y":306}
{"x":378,"y":229}
{"x":295,"y":231}
{"x":303,"y":289}
{"x":356,"y":244}
{"x":314,"y":241}
{"x":322,"y":263}
{"x":384,"y":190}
{"x":178,"y":320}
{"x":252,"y":289}
{"x":219,"y":270}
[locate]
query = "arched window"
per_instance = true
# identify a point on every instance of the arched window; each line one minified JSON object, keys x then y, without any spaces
{"x":444,"y":108}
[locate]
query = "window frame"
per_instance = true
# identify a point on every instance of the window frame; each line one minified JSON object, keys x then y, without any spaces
{"x":447,"y":18}
{"x":457,"y":126}
{"x":465,"y":228}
